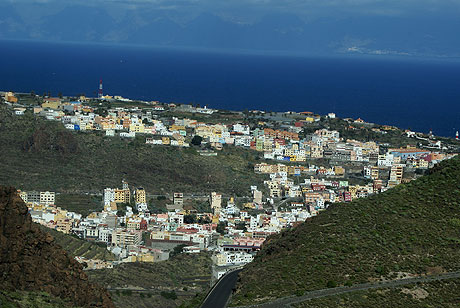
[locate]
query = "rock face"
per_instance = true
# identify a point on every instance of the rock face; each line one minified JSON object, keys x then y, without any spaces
{"x":30,"y":260}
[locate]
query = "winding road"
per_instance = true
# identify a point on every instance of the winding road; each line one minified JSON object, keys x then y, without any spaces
{"x":220,"y":293}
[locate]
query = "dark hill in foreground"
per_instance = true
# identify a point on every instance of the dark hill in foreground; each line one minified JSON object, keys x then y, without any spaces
{"x":30,"y":260}
{"x":411,"y":229}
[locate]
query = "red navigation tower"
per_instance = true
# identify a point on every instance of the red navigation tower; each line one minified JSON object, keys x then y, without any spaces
{"x":100,"y":89}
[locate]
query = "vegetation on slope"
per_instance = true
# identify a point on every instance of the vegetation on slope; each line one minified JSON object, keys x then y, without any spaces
{"x":167,"y":283}
{"x":81,"y":248}
{"x":361,"y":132}
{"x":444,"y":293}
{"x":413,"y":228}
{"x":80,"y":203}
{"x":43,"y":155}
{"x":24,"y":299}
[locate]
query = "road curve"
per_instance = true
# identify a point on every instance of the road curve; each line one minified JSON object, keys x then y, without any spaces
{"x":286,"y":302}
{"x":221,"y":292}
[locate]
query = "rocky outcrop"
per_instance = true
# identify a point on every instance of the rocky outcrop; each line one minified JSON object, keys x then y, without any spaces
{"x":31,"y":260}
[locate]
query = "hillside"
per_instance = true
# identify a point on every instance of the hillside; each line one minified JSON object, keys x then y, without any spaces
{"x":30,"y":260}
{"x":185,"y":276}
{"x":411,"y":229}
{"x":433,"y":294}
{"x":24,"y":299}
{"x":42,"y":155}
{"x":81,"y":248}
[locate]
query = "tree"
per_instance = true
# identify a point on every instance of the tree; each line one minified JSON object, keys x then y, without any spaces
{"x":196,"y":140}
{"x":221,"y":227}
{"x":101,"y":111}
{"x":331,"y":284}
{"x":177,"y":250}
{"x":190,"y":219}
{"x":241,"y":226}
{"x":121,"y":213}
{"x":169,"y":295}
{"x":205,"y":220}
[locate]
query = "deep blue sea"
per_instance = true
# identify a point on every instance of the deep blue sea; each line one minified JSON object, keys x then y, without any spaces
{"x":420,"y":94}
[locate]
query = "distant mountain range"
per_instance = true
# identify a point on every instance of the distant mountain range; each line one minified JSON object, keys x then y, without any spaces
{"x":428,"y":35}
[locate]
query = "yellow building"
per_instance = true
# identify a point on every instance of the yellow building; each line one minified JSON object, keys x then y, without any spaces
{"x":110,"y":207}
{"x":145,"y":258}
{"x":423,"y":163}
{"x":215,"y":219}
{"x":220,"y":259}
{"x":52,"y":103}
{"x":140,"y":195}
{"x":122,"y":195}
{"x":37,"y":110}
{"x":137,"y":127}
{"x":339,"y":170}
{"x":165,"y":140}
{"x":175,"y":127}
{"x":9,"y":97}
{"x":375,"y":173}
{"x":64,"y":226}
{"x":133,"y":224}
{"x":87,"y":109}
{"x":396,"y":173}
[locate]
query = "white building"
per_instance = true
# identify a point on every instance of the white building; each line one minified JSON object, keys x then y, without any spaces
{"x":109,"y":196}
{"x":241,"y":128}
{"x":47,"y":197}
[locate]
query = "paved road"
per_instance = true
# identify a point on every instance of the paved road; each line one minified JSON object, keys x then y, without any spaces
{"x":276,"y":206}
{"x":286,"y":302}
{"x":220,"y":293}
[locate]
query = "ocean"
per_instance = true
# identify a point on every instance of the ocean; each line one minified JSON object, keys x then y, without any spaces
{"x":420,"y":94}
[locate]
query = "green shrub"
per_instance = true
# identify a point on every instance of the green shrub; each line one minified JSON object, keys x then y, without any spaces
{"x":169,"y":295}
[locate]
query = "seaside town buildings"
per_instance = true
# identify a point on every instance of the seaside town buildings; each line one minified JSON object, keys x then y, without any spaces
{"x":305,"y":173}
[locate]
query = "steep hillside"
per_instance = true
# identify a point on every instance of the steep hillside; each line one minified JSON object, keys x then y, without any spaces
{"x":183,"y":275}
{"x":81,"y":248}
{"x":30,"y":260}
{"x":43,"y":155}
{"x":24,"y":299}
{"x":413,"y":228}
{"x":443,"y":294}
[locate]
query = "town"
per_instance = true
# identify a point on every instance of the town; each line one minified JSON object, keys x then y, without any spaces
{"x":307,"y":169}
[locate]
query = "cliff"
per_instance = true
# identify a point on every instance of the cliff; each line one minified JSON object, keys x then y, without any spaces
{"x":30,"y":259}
